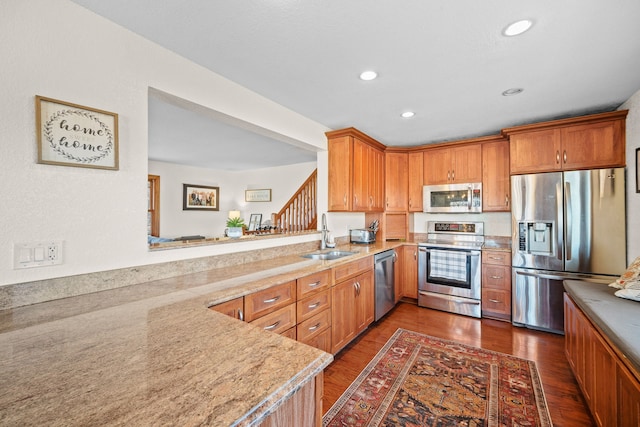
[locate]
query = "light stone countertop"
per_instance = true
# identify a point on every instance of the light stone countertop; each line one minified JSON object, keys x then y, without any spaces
{"x":154,"y":354}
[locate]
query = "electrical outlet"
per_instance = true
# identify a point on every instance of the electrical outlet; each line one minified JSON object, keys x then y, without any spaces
{"x":37,"y":254}
{"x":52,"y":252}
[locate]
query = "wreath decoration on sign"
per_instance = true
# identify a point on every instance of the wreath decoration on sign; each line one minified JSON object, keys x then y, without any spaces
{"x":48,"y":134}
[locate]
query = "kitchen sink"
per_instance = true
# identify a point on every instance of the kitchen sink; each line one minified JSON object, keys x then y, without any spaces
{"x":328,"y":255}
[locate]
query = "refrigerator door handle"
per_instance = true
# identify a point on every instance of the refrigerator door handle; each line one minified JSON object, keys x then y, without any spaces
{"x":569,"y":224}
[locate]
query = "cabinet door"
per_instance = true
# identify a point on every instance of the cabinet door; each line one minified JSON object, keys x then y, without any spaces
{"x":595,"y":145}
{"x":416,"y":178}
{"x":365,"y":301}
{"x":396,"y":181}
{"x":343,"y":319}
{"x":437,"y":166}
{"x":628,"y":394}
{"x":340,"y":171}
{"x":233,"y":308}
{"x":361,"y":170}
{"x":410,"y":271}
{"x":376,"y":180}
{"x":538,"y":151}
{"x":466,"y":163}
{"x":496,"y":185}
{"x":603,"y":370}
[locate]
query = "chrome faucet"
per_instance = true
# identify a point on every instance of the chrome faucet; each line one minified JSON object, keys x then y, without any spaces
{"x":325,"y":232}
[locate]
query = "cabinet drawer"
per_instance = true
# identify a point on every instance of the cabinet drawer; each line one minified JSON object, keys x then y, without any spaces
{"x":496,"y":277}
{"x":496,"y":301}
{"x":263,"y":302}
{"x":353,"y":268}
{"x":313,"y":283}
{"x":278,"y":321}
{"x":314,"y":326}
{"x":312,"y":305}
{"x":496,"y":257}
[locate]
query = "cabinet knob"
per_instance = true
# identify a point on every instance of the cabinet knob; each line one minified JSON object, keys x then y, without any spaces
{"x":557,"y":156}
{"x":453,"y":175}
{"x":506,"y":200}
{"x":564,"y":156}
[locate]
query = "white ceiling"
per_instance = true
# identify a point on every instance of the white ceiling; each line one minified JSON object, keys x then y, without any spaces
{"x":447,"y":61}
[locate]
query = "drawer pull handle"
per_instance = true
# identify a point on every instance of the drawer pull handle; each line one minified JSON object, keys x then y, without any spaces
{"x":270,"y":327}
{"x":497,"y":258}
{"x":314,"y":284}
{"x":270,"y":300}
{"x":494,"y":300}
{"x":496,"y":277}
{"x":241,"y":315}
{"x":314,"y":305}
{"x":314,"y":327}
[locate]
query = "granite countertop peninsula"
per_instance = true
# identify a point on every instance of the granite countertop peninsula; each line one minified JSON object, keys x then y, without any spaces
{"x":154,"y":354}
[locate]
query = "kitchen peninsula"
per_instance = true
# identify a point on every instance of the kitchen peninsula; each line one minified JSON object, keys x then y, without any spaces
{"x":155,"y":354}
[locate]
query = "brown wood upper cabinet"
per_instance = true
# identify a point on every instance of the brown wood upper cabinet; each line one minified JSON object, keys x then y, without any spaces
{"x":416,"y":179}
{"x":453,"y":164}
{"x":356,"y":172}
{"x":396,"y":181}
{"x":496,"y":185}
{"x":595,"y":141}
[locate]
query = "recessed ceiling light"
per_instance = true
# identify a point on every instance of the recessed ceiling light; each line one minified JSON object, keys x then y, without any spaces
{"x":517,"y":27}
{"x":512,"y":91}
{"x":408,"y":114}
{"x":368,"y":75}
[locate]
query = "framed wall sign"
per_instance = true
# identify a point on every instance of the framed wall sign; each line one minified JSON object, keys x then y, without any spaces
{"x":200,"y":198}
{"x":75,"y":135}
{"x":257,"y":195}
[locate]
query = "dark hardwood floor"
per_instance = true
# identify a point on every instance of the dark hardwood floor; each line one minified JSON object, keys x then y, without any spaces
{"x":564,"y":399}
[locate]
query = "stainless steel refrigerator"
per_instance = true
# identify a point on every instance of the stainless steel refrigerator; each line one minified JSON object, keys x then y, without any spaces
{"x":565,"y":225}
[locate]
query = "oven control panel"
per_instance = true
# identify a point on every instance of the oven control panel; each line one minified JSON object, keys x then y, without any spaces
{"x":456,"y":227}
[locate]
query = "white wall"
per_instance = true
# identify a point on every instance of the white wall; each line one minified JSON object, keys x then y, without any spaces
{"x":633,"y":198}
{"x":174,"y":222}
{"x":60,"y":50}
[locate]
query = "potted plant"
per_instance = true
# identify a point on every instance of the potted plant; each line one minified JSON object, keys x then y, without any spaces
{"x":235,"y":227}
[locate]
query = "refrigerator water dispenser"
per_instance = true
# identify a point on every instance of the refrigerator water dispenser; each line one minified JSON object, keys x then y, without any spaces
{"x":536,"y":238}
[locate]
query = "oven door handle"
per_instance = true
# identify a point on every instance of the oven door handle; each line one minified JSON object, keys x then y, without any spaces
{"x":466,"y":252}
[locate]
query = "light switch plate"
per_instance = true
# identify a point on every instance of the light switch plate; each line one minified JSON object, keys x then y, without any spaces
{"x":37,"y":254}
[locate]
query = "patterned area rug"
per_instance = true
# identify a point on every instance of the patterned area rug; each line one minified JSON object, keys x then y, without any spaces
{"x":418,"y":380}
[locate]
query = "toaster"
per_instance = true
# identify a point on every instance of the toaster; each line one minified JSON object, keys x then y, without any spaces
{"x":362,"y":235}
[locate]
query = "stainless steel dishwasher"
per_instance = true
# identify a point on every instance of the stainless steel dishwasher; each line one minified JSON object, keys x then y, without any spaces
{"x":384,"y":282}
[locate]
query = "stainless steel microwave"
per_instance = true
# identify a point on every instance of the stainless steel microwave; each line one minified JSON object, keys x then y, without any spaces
{"x":452,"y":198}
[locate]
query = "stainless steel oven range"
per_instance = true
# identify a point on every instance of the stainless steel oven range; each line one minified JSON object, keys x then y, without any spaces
{"x":449,"y":276}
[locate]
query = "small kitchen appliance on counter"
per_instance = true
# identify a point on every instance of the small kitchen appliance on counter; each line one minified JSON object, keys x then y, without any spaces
{"x":364,"y":235}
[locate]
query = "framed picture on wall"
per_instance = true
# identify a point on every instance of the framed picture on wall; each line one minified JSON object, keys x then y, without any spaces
{"x":75,"y":135}
{"x":254,"y":222}
{"x":200,"y":198}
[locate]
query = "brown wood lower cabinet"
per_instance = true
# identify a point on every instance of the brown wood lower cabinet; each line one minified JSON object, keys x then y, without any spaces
{"x":409,"y":265}
{"x":611,"y":390}
{"x":303,"y":408}
{"x":496,"y":284}
{"x":352,"y":302}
